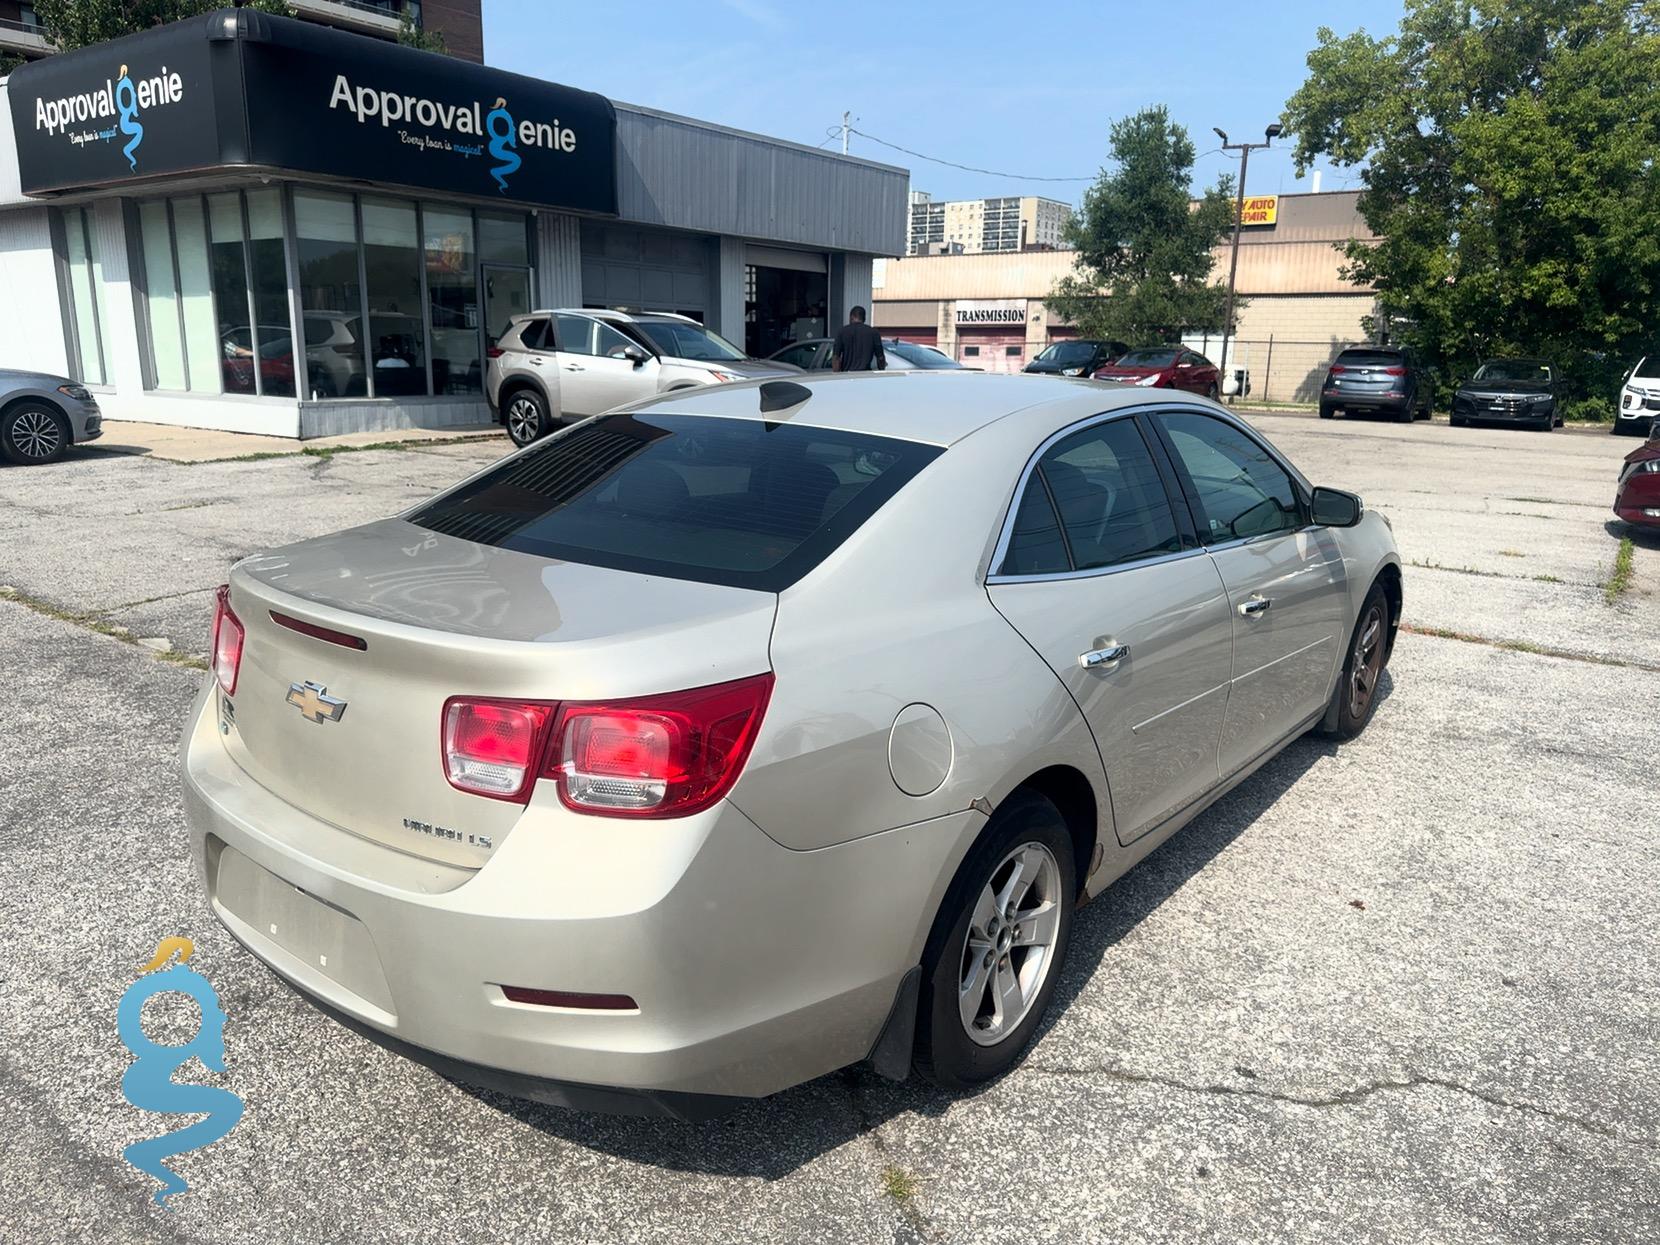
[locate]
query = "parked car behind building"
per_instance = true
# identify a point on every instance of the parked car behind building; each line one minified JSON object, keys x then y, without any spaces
{"x":1377,"y":380}
{"x":1511,"y":391}
{"x":1164,"y":367}
{"x":1639,"y":398}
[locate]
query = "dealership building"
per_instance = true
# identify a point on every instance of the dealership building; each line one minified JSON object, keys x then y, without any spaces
{"x":178,"y":208}
{"x":988,"y":311}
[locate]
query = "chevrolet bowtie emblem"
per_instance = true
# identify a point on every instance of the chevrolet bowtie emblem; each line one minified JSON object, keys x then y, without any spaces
{"x":314,"y":702}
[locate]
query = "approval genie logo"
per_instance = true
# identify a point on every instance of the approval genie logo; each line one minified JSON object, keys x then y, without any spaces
{"x":437,"y":127}
{"x":149,"y":1085}
{"x":97,"y":116}
{"x":126,"y":100}
{"x":502,"y":141}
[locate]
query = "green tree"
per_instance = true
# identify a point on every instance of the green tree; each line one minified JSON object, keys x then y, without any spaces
{"x":419,"y":37}
{"x":1144,"y":247}
{"x":1508,"y":151}
{"x":77,"y":23}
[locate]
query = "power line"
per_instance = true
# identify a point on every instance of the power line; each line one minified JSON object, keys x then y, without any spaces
{"x":967,"y":168}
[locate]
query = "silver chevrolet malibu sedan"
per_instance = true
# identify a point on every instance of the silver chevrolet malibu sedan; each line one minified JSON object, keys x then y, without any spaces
{"x":727,"y":739}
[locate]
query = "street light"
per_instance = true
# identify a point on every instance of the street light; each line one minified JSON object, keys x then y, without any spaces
{"x":1244,"y":149}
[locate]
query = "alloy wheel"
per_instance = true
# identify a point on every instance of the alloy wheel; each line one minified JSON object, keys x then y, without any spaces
{"x":1366,"y":661}
{"x":524,"y":420}
{"x":1009,"y":948}
{"x":36,"y":434}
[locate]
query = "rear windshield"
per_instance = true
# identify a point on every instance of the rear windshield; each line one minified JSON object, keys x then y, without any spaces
{"x":1371,"y":358}
{"x":745,"y":503}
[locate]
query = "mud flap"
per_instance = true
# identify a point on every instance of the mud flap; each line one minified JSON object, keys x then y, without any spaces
{"x":891,"y":1056}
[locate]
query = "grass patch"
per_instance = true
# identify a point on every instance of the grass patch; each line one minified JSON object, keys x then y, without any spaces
{"x":1523,"y":646}
{"x":1460,"y":570}
{"x":900,"y":1185}
{"x":329,"y":451}
{"x":1547,"y":579}
{"x":92,"y":622}
{"x":1619,"y":579}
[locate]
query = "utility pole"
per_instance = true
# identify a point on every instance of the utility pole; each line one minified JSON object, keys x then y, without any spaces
{"x":1244,"y":150}
{"x":847,"y":118}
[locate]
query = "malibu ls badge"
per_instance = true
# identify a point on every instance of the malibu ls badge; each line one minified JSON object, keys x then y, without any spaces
{"x":314,"y":702}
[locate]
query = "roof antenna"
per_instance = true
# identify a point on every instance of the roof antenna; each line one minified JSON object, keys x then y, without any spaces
{"x":780,"y":395}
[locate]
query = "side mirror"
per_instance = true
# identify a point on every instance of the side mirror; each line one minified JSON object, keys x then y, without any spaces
{"x":1335,"y":508}
{"x":635,"y":355}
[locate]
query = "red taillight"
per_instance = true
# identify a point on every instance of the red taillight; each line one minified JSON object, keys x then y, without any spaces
{"x":659,"y":756}
{"x":493,"y":352}
{"x":227,"y":640}
{"x":491,"y":747}
{"x":1394,"y":371}
{"x":1337,"y":368}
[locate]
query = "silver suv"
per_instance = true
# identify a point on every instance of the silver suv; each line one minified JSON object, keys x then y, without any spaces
{"x":553,"y":367}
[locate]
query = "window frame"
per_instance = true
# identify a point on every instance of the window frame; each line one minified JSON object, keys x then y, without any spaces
{"x":82,"y":218}
{"x":1179,"y":510}
{"x":1300,"y":486}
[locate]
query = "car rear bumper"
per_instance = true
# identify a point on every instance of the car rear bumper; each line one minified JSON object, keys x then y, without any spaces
{"x":754,"y":967}
{"x":1361,"y":403}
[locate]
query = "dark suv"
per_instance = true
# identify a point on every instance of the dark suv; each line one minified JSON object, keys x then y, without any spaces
{"x":1077,"y":357}
{"x":1385,"y":380}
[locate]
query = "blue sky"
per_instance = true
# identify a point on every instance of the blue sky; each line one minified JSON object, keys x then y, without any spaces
{"x":1027,"y":89}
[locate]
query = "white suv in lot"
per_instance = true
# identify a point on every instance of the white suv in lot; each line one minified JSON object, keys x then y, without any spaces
{"x":1639,"y":398}
{"x":553,"y":367}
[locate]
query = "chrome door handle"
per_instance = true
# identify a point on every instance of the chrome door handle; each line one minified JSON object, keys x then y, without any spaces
{"x":1103,"y":658}
{"x":536,"y":361}
{"x":1254,"y":606}
{"x":575,"y":367}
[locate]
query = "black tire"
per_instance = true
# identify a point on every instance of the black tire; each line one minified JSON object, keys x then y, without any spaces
{"x":1213,"y":393}
{"x":945,"y":1053}
{"x":1407,"y":414}
{"x":1348,"y":714}
{"x":525,"y":416}
{"x":32,"y":433}
{"x":1327,"y":413}
{"x":1456,"y":421}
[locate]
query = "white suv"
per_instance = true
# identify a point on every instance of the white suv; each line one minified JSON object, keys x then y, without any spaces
{"x":553,"y":367}
{"x":1639,"y":398}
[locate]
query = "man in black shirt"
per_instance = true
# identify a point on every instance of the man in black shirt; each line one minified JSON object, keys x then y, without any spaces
{"x":858,"y":346}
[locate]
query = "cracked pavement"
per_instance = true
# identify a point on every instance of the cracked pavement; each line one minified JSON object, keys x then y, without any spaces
{"x":1401,"y":990}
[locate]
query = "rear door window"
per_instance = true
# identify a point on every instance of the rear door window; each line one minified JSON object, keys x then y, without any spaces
{"x":1095,"y":500}
{"x":745,"y":503}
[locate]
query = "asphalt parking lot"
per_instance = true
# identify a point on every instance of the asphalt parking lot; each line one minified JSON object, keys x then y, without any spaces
{"x":1402,"y":990}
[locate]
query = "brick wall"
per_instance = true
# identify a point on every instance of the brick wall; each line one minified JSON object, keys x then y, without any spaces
{"x":461,"y":24}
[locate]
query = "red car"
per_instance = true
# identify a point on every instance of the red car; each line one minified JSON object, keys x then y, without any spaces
{"x":1637,"y":500}
{"x":1164,"y":367}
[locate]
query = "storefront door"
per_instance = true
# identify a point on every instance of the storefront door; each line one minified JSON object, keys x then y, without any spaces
{"x":506,"y":294}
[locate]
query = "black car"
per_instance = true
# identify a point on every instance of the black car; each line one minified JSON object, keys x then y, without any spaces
{"x":1078,"y":357}
{"x":1380,"y":380}
{"x":1511,"y":391}
{"x":815,"y":355}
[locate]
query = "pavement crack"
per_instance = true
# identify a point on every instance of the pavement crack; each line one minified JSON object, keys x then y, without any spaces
{"x":1346,"y":1097}
{"x":166,"y":596}
{"x":1537,"y":650}
{"x":913,"y":1226}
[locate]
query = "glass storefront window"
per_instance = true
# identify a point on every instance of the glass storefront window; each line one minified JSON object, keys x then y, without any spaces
{"x":269,"y":271}
{"x":230,"y":293}
{"x":86,"y":290}
{"x":452,"y":300}
{"x":201,"y":333}
{"x":502,"y":239}
{"x":331,"y":295}
{"x":161,"y":296}
{"x":397,"y":333}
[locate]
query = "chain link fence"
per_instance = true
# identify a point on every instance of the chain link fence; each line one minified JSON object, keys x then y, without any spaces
{"x":1280,"y":369}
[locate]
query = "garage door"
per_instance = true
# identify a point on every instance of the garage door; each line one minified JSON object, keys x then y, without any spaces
{"x":991,"y":352}
{"x":637,"y":269}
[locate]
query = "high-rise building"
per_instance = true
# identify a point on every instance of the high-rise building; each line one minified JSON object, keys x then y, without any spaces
{"x":459,"y":22}
{"x":973,"y":226}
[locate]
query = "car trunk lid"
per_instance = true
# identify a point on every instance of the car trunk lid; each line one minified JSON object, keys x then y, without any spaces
{"x":347,"y":727}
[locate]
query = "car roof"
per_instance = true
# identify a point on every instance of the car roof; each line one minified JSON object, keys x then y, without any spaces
{"x":605,"y":313}
{"x":1510,"y":358}
{"x":934,"y":406}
